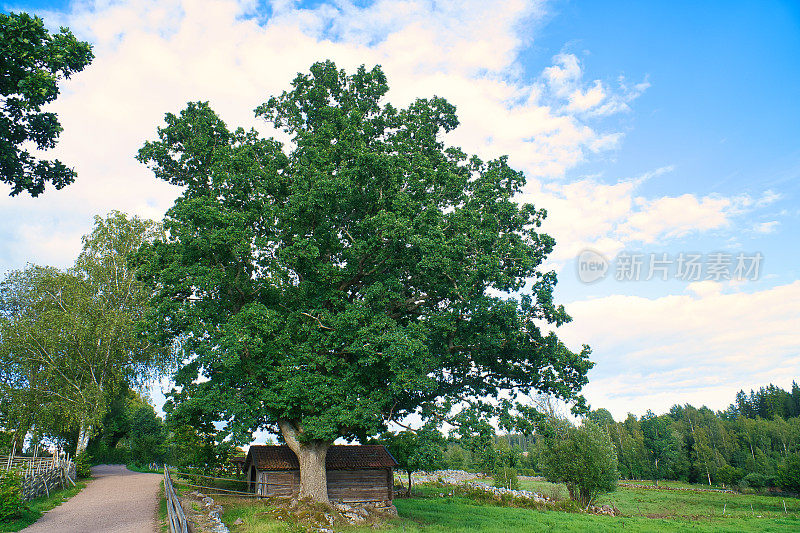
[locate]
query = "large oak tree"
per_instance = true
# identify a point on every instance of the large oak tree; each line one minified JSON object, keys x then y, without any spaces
{"x":324,"y":288}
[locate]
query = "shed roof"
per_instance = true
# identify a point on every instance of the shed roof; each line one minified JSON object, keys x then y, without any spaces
{"x":348,"y":457}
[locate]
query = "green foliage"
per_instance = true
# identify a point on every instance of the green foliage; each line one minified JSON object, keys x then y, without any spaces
{"x":33,"y":62}
{"x":456,"y":458}
{"x":130,"y":432}
{"x":661,"y":443}
{"x":33,"y":509}
{"x":701,"y":446}
{"x":420,"y":450}
{"x":768,"y":402}
{"x":754,"y":480}
{"x":582,"y":458}
{"x":71,"y":338}
{"x":192,"y":442}
{"x":601,"y":417}
{"x":364,"y":272}
{"x":83,"y":465}
{"x":790,"y":473}
{"x":6,"y":438}
{"x":11,"y":503}
{"x":728,"y":475}
{"x":506,"y":477}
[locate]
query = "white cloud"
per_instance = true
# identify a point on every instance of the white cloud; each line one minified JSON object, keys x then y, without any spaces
{"x":700,"y":347}
{"x":705,"y":288}
{"x":588,"y":213}
{"x":153,"y":56}
{"x":565,"y":80}
{"x":766,"y":227}
{"x":671,"y":217}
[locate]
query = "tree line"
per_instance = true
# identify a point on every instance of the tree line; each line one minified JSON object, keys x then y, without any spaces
{"x":753,"y":442}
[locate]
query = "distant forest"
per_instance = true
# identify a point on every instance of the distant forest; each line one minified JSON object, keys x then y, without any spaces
{"x":747,"y":444}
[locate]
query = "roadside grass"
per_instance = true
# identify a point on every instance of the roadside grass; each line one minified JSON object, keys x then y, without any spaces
{"x":37,"y":507}
{"x":144,"y":469}
{"x":162,"y":508}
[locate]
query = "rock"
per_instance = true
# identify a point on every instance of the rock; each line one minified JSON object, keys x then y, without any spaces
{"x":238,"y":522}
{"x":354,"y":518}
{"x":343,"y":507}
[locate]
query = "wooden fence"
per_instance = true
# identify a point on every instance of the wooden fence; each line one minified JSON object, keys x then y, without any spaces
{"x":41,"y":474}
{"x":43,"y":482}
{"x":175,"y":516}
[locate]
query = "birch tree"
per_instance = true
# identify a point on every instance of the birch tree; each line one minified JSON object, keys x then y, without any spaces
{"x":75,"y":338}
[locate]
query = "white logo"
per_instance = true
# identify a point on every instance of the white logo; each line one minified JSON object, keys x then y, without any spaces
{"x":592,"y":266}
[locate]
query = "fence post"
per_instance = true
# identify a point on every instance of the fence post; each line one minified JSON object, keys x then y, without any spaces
{"x":175,"y":516}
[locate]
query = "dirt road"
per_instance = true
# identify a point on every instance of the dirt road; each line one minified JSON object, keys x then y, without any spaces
{"x":115,"y":501}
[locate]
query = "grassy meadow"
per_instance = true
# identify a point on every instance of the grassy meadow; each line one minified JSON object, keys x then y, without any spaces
{"x":435,"y":509}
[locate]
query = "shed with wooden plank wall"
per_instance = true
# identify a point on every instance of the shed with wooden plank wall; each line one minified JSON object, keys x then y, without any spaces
{"x":354,"y":473}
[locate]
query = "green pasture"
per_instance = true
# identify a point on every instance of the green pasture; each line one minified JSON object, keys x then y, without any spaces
{"x":435,"y":509}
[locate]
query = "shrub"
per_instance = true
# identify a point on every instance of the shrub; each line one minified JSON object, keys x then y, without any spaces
{"x":754,"y":480}
{"x":728,"y":475}
{"x":11,"y":503}
{"x":83,"y":465}
{"x":582,"y":458}
{"x":506,"y":477}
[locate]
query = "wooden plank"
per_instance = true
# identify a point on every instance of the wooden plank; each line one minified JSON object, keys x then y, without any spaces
{"x":357,"y":485}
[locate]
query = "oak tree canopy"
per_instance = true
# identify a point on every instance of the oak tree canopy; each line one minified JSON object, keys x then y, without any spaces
{"x":326,"y":287}
{"x":32,"y":62}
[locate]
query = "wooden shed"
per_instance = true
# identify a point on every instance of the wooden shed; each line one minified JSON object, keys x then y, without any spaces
{"x":354,"y":473}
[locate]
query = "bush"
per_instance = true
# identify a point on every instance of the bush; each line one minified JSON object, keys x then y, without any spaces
{"x":582,"y":458}
{"x":728,"y":475}
{"x":101,"y":454}
{"x":11,"y":503}
{"x":83,"y":465}
{"x":506,"y":477}
{"x":754,"y":480}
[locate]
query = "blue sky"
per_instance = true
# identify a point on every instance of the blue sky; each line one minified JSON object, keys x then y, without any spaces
{"x":647,"y":127}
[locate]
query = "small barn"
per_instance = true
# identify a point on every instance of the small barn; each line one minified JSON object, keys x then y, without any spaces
{"x":355,"y":474}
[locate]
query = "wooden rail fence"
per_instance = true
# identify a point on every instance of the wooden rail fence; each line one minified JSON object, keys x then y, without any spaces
{"x":41,"y":474}
{"x":175,"y":515}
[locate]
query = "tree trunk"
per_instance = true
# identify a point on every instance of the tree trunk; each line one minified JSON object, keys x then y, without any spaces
{"x":18,"y":441}
{"x":656,"y":473}
{"x":311,"y":456}
{"x":83,"y":438}
{"x":408,"y":492}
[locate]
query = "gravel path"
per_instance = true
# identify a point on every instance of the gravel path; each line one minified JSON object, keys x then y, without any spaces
{"x":115,"y":501}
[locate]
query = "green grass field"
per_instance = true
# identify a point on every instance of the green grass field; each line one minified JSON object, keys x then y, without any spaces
{"x":36,"y":507}
{"x":431,"y":510}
